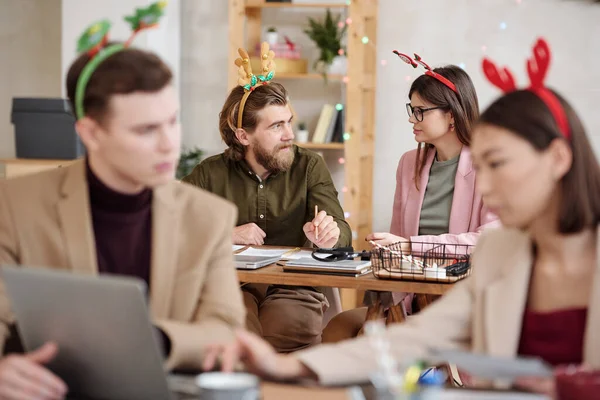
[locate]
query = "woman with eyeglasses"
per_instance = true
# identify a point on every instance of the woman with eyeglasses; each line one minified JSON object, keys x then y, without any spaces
{"x":435,"y":199}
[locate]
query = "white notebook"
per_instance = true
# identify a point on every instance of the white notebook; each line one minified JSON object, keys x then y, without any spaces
{"x":344,"y":265}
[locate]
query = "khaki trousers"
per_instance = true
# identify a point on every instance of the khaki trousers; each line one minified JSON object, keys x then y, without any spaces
{"x":290,"y":318}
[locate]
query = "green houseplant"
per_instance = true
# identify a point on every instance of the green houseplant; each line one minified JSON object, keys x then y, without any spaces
{"x":187,"y":161}
{"x":328,"y":36}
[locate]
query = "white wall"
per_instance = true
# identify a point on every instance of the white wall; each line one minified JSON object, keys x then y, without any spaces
{"x":454,"y":31}
{"x":29,"y":58}
{"x":38,"y":43}
{"x":165,"y":40}
{"x":204,"y":46}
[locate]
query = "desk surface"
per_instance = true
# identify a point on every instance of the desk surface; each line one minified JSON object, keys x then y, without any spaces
{"x":274,"y":391}
{"x":274,"y":275}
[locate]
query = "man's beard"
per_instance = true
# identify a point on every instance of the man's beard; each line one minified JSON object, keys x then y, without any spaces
{"x":275,"y":161}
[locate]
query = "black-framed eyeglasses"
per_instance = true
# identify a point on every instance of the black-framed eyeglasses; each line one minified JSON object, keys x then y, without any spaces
{"x":418,"y":111}
{"x":339,"y":254}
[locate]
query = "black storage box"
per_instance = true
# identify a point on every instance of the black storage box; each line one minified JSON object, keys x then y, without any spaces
{"x":45,"y":128}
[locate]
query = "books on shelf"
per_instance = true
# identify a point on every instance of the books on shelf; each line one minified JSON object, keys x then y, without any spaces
{"x":323,"y":123}
{"x":330,"y":126}
{"x":339,"y":128}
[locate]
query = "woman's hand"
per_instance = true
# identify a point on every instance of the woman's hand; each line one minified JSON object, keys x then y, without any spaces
{"x":259,"y":358}
{"x":385,"y":239}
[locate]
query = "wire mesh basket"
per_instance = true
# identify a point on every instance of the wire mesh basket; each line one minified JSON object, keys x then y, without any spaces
{"x":420,"y":261}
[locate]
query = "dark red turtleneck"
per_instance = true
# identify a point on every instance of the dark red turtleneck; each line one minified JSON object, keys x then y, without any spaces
{"x":122,"y":229}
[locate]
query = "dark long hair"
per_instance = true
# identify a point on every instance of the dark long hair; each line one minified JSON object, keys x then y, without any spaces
{"x":523,"y":113}
{"x":463,"y":105}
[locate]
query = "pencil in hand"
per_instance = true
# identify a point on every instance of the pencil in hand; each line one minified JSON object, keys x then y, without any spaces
{"x":316,"y":227}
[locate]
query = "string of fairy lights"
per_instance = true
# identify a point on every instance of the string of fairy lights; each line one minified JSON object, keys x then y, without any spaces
{"x":383,"y":62}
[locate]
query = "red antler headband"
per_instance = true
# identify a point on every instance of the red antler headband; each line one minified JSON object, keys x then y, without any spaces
{"x":537,"y":67}
{"x":418,"y":60}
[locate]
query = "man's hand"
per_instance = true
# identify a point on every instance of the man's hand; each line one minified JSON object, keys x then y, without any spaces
{"x":258,"y":356}
{"x":249,"y":234}
{"x":22,"y":377}
{"x":328,"y":230}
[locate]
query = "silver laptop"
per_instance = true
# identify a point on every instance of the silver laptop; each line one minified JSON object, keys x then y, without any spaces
{"x":107,"y":345}
{"x":254,"y":262}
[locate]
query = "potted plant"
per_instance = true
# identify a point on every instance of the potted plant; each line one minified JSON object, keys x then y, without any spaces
{"x":328,"y":36}
{"x":272,"y":36}
{"x":187,"y":161}
{"x":302,"y":133}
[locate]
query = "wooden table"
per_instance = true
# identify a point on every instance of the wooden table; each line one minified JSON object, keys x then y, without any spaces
{"x":278,"y":391}
{"x":274,"y":275}
{"x":379,"y":307}
{"x":274,"y":391}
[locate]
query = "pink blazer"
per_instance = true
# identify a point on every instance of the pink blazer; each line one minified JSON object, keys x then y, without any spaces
{"x":468,"y":216}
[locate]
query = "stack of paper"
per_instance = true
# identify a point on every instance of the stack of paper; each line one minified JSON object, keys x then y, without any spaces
{"x":251,"y":251}
{"x":284,"y":254}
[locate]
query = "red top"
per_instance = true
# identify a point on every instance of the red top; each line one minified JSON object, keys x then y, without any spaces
{"x":556,"y":336}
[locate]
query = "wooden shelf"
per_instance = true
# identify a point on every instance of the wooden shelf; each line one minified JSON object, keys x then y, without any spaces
{"x":246,"y":28}
{"x":322,"y":146}
{"x":297,"y":5}
{"x":334,"y":77}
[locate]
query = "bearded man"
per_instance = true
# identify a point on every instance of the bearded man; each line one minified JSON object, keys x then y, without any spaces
{"x":276,"y":186}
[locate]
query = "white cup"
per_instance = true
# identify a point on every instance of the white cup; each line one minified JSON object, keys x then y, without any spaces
{"x":228,"y":386}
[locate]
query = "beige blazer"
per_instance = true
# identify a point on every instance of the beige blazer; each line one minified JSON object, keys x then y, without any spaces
{"x":483,"y":313}
{"x":45,"y":220}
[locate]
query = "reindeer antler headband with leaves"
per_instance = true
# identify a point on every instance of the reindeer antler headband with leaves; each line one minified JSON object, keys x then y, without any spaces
{"x":428,"y":71}
{"x":95,"y":38}
{"x":248,"y":80}
{"x":537,"y":67}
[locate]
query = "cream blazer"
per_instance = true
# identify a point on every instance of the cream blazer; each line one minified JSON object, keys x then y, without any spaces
{"x":483,"y":313}
{"x":45,"y":220}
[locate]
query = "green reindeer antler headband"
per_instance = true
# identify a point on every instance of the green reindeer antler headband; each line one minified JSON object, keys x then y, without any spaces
{"x":95,"y":38}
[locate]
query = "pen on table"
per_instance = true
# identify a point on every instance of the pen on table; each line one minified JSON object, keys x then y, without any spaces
{"x":290,"y":252}
{"x":316,"y":227}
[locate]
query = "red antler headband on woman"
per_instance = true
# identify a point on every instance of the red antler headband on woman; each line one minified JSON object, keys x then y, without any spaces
{"x":418,"y":60}
{"x":537,"y":67}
